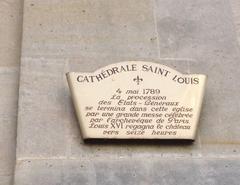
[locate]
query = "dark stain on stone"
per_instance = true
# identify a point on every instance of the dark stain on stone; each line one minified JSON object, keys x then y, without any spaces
{"x":153,"y":38}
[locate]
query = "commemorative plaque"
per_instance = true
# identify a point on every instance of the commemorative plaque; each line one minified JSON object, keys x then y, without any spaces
{"x":137,"y":100}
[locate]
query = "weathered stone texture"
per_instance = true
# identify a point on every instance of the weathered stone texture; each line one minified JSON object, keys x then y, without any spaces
{"x":98,"y":28}
{"x":204,"y":30}
{"x":85,"y":35}
{"x":10,"y":37}
{"x":167,"y":171}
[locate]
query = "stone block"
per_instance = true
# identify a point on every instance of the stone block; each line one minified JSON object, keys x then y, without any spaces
{"x":6,"y":179}
{"x":10,"y":32}
{"x":205,"y":31}
{"x":8,"y":119}
{"x":73,"y":28}
{"x":83,"y":36}
{"x":202,"y":30}
{"x":135,"y":171}
{"x":45,"y":98}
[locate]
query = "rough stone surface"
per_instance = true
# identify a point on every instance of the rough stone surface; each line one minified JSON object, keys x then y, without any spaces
{"x":83,"y":36}
{"x":235,"y":5}
{"x":10,"y":36}
{"x":10,"y":32}
{"x":205,"y":31}
{"x":135,"y":172}
{"x":6,"y":179}
{"x":98,"y":28}
{"x":8,"y":117}
{"x":55,"y":117}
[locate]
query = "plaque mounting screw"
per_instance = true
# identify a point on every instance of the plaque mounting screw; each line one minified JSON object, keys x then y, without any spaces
{"x":138,"y":80}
